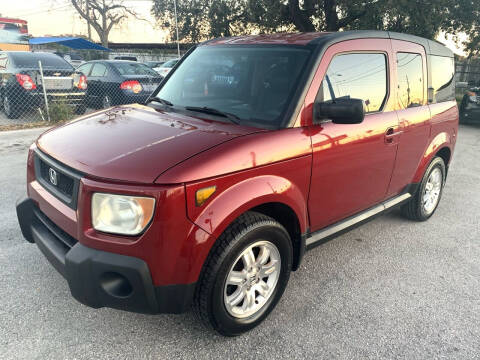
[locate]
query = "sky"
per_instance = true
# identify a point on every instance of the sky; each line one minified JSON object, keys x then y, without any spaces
{"x":58,"y":17}
{"x":40,"y":13}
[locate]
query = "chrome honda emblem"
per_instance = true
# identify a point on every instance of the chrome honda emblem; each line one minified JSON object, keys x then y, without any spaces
{"x":53,"y":176}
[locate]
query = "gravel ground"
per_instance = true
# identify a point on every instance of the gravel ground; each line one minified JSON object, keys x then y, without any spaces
{"x":389,"y":289}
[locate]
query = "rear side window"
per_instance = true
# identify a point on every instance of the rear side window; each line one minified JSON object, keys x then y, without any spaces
{"x":85,"y":69}
{"x":443,"y":72}
{"x":131,"y":68}
{"x":99,"y":70}
{"x":357,"y":76}
{"x":30,"y":60}
{"x":410,"y":80}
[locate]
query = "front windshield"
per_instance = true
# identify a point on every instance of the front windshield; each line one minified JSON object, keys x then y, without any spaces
{"x":254,"y":83}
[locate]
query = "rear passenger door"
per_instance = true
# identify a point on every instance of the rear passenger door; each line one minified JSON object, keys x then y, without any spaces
{"x":96,"y":82}
{"x":410,"y":78}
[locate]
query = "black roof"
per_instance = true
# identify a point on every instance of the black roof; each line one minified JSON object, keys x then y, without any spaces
{"x":432,"y":47}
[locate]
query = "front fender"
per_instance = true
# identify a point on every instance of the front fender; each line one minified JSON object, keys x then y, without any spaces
{"x":286,"y":182}
{"x":440,"y":141}
{"x":238,"y":198}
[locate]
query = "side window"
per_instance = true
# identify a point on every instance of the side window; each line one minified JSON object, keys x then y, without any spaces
{"x":357,"y":76}
{"x":99,"y":70}
{"x":410,"y":80}
{"x":85,"y":69}
{"x":443,"y":72}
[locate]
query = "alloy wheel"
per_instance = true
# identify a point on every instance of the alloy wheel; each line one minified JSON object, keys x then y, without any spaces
{"x":252,"y":279}
{"x":106,"y":102}
{"x":433,"y":187}
{"x":6,"y":105}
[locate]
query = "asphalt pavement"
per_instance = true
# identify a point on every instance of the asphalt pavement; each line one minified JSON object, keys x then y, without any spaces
{"x":389,"y":289}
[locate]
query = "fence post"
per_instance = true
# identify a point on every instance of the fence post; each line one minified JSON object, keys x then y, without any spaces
{"x":44,"y":90}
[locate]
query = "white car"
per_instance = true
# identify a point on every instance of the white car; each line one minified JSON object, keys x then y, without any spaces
{"x":166,"y":67}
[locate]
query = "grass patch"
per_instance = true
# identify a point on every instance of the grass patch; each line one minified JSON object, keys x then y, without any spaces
{"x":30,"y":125}
{"x":61,"y":111}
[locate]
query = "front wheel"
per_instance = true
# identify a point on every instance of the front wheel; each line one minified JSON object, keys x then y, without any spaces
{"x":425,"y":201}
{"x":245,"y":274}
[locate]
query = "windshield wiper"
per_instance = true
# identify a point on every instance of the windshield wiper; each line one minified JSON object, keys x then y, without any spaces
{"x":160,"y":100}
{"x":208,"y":110}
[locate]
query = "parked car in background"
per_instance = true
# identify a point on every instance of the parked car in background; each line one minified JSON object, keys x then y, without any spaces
{"x":470,"y":105}
{"x":72,"y":58}
{"x":129,"y":58}
{"x":211,"y":193}
{"x":154,"y":64}
{"x":21,"y":85}
{"x":115,"y":82}
{"x":165,"y":68}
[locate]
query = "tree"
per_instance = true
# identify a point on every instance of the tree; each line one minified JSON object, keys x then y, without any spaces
{"x":203,"y":19}
{"x":192,"y":18}
{"x":465,"y":17}
{"x":102,"y":15}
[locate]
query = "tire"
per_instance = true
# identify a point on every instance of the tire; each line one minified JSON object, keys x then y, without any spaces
{"x":420,"y":209}
{"x":212,"y":296}
{"x":80,"y":109}
{"x":9,"y":108}
{"x":106,"y":102}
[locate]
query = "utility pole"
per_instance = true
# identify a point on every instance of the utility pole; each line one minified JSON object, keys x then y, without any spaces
{"x":87,"y":9}
{"x":176,"y":26}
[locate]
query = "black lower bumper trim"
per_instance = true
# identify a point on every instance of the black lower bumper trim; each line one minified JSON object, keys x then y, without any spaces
{"x":98,"y":278}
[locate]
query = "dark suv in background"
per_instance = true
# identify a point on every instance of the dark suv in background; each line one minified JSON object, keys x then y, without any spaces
{"x":470,"y":105}
{"x":21,"y":85}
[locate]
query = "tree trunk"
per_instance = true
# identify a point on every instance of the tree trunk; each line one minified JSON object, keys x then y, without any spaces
{"x":331,"y":16}
{"x":299,"y":18}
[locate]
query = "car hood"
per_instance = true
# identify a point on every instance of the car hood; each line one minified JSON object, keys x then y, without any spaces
{"x":134,"y":143}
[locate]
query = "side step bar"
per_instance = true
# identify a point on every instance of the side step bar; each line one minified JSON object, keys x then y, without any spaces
{"x":329,"y":232}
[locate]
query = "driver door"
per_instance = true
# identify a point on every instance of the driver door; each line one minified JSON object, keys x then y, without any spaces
{"x":352,"y":163}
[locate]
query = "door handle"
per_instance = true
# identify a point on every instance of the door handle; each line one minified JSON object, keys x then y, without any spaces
{"x":390,"y":135}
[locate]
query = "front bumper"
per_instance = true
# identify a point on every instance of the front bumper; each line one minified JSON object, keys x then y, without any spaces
{"x":98,"y":278}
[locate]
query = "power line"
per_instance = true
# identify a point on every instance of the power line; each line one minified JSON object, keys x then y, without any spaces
{"x":60,"y":8}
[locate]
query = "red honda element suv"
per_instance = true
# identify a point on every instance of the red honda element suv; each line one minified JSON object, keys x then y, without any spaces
{"x":253,"y":150}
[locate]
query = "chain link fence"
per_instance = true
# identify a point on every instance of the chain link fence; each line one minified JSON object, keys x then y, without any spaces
{"x":44,"y":87}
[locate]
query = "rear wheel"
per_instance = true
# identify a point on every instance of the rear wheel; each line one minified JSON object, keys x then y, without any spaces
{"x":429,"y":193}
{"x":9,"y":108}
{"x":106,"y":102}
{"x":245,"y":275}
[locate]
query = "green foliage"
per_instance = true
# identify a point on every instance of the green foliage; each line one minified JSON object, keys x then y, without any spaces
{"x":202,"y":19}
{"x":61,"y":111}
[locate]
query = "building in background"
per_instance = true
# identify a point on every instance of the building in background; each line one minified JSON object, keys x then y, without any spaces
{"x":13,"y":34}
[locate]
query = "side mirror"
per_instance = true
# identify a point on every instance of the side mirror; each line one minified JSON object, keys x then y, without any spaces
{"x":340,"y":111}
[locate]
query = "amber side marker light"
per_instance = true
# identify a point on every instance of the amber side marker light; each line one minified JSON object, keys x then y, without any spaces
{"x":202,"y":195}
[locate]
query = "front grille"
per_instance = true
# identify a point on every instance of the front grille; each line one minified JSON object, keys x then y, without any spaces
{"x":64,"y":183}
{"x":60,"y":180}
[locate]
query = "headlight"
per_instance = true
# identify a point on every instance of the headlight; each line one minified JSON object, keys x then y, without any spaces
{"x":121,"y":214}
